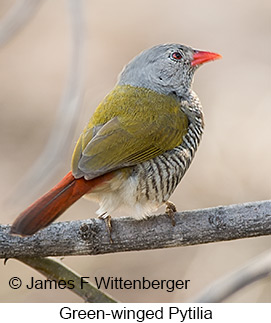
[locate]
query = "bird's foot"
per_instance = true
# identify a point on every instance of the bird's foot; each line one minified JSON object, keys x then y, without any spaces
{"x":107,"y":218}
{"x":170,"y":211}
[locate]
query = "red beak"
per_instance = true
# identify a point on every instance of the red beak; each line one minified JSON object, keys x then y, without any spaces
{"x":201,"y":57}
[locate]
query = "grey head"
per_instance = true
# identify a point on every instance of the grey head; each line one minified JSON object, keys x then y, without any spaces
{"x":165,"y":68}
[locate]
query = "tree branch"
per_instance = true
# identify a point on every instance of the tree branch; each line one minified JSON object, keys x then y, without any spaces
{"x":90,"y":237}
{"x":55,"y":270}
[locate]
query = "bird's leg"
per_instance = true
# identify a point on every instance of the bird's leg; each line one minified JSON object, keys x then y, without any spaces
{"x":107,"y":218}
{"x":170,"y":211}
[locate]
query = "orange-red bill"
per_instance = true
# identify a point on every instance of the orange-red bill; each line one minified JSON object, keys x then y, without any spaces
{"x":201,"y":57}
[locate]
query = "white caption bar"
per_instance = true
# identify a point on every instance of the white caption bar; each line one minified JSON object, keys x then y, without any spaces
{"x":147,"y":312}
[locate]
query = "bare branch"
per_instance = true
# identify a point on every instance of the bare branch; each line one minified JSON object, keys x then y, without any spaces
{"x":55,"y":270}
{"x":90,"y":237}
{"x":256,"y":269}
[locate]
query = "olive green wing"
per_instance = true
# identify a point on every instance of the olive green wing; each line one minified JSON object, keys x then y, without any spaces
{"x":121,"y":142}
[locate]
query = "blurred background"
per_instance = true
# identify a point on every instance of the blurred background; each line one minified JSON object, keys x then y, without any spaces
{"x":232,"y":164}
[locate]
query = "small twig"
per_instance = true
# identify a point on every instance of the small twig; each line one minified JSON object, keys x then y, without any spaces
{"x":90,"y":237}
{"x":56,"y":270}
{"x":256,"y":269}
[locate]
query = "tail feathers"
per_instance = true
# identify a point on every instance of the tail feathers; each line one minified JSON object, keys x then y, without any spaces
{"x":52,"y":204}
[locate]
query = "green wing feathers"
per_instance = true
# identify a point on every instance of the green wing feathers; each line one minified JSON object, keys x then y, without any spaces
{"x":118,"y":135}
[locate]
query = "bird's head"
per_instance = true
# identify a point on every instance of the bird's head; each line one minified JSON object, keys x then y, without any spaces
{"x":165,"y":68}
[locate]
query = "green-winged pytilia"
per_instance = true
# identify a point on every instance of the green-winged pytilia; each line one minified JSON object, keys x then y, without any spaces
{"x":138,"y":144}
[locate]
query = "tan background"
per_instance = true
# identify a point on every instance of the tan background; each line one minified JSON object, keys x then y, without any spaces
{"x":231,"y":166}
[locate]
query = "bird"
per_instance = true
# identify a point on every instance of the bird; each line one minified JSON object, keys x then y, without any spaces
{"x":137,"y":145}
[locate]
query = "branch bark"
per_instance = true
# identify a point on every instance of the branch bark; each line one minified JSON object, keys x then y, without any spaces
{"x":90,"y":237}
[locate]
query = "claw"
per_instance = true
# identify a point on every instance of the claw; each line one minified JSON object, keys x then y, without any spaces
{"x":107,"y":218}
{"x":170,"y":211}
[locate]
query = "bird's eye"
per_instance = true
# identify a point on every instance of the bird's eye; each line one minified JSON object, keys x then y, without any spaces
{"x":176,"y":55}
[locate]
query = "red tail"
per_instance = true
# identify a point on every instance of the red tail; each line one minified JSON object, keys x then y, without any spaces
{"x":52,"y":204}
